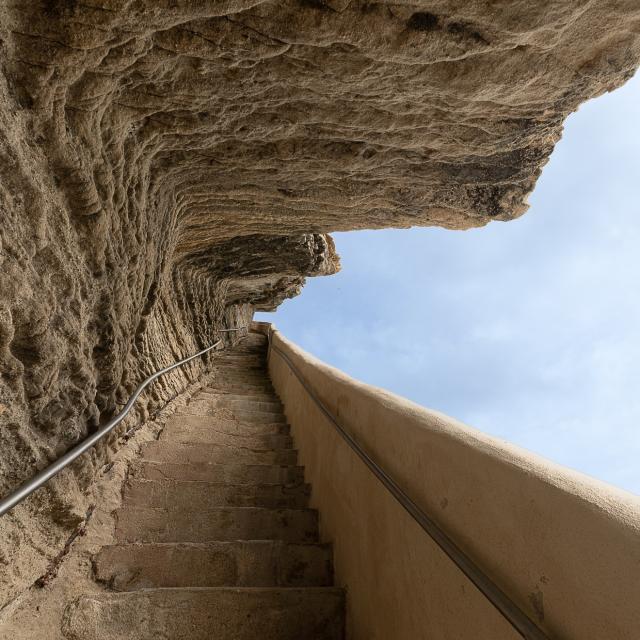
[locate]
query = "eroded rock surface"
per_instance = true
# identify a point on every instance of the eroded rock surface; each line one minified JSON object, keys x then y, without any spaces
{"x":168,"y":167}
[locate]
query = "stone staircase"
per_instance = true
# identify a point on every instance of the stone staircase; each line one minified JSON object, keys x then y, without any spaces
{"x":214,"y":538}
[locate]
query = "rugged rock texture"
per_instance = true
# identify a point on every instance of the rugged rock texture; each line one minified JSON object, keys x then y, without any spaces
{"x":167,"y":167}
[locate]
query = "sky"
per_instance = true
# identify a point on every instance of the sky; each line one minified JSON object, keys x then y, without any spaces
{"x":528,"y":330}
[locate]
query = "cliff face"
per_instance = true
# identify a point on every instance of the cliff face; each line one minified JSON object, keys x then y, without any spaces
{"x":168,"y":167}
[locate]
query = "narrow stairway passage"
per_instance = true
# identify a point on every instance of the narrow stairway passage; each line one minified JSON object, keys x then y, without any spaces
{"x":214,"y":538}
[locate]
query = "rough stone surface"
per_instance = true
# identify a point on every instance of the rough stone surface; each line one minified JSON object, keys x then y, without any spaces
{"x":233,"y":554}
{"x":200,"y":614}
{"x":167,"y":167}
{"x":256,"y":563}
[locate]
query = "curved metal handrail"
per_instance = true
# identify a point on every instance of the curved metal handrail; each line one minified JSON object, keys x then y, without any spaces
{"x":26,"y":489}
{"x":498,"y":598}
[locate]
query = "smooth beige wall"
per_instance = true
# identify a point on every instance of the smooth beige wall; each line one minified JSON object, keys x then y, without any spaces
{"x":565,"y":547}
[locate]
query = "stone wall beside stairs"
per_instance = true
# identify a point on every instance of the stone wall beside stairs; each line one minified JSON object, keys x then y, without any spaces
{"x":563,"y":546}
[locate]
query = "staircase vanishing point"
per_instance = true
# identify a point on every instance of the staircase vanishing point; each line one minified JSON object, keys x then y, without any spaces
{"x":214,"y":538}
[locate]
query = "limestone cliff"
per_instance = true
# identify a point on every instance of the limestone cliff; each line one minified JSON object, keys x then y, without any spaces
{"x":168,"y":167}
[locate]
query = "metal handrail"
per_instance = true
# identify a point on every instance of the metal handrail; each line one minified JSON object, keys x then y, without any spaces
{"x":498,"y":598}
{"x":26,"y":489}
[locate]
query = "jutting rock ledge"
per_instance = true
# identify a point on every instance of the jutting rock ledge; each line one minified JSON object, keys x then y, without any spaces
{"x":168,"y":167}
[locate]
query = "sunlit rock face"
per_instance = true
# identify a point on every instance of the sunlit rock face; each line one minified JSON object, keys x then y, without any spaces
{"x":167,"y":167}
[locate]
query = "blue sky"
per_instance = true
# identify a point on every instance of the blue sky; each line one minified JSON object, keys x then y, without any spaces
{"x":528,"y":330}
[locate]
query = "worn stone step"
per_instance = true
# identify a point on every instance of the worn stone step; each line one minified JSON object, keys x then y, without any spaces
{"x":256,"y":351}
{"x":262,"y":563}
{"x":260,"y":396}
{"x":203,"y":429}
{"x":277,"y":437}
{"x":242,"y":356}
{"x":219,"y":404}
{"x":242,"y":372}
{"x":260,"y":417}
{"x":237,"y":360}
{"x":253,"y":397}
{"x":241,"y":362}
{"x":246,"y":348}
{"x":227,"y":376}
{"x":240,"y":388}
{"x":246,"y":385}
{"x":252,"y":367}
{"x":246,"y":414}
{"x":210,"y":403}
{"x":251,"y":375}
{"x":190,"y":495}
{"x":235,"y":402}
{"x":136,"y":524}
{"x":206,"y":614}
{"x":203,"y":425}
{"x":220,"y":454}
{"x":231,"y":374}
{"x":206,"y":393}
{"x":211,"y":472}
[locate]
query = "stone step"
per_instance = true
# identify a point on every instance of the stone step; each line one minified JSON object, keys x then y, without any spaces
{"x":265,"y":397}
{"x":260,"y":417}
{"x":256,"y":351}
{"x":211,"y":472}
{"x":241,"y":414}
{"x":204,"y":394}
{"x":247,"y":383}
{"x":254,"y":375}
{"x":246,"y":362}
{"x":242,"y":372}
{"x":201,"y":496}
{"x":238,"y":359}
{"x":269,"y":397}
{"x":255,"y":355}
{"x":204,"y":405}
{"x":204,"y":422}
{"x":136,"y":524}
{"x":226,"y":374}
{"x":234,"y":402}
{"x":240,"y":388}
{"x":219,"y":454}
{"x":245,"y":367}
{"x":263,"y":563}
{"x":207,"y":614}
{"x":204,"y":429}
{"x":247,"y":351}
{"x":230,"y":374}
{"x":220,"y":405}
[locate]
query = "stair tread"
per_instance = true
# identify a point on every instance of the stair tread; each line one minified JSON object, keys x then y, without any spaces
{"x":161,"y":451}
{"x":127,"y":567}
{"x":205,"y":471}
{"x":203,"y":431}
{"x":190,"y":494}
{"x":200,"y":613}
{"x":145,"y":524}
{"x":203,"y":417}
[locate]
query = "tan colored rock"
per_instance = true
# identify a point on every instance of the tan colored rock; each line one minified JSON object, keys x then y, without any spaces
{"x":255,"y":563}
{"x":199,"y":614}
{"x":168,"y":167}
